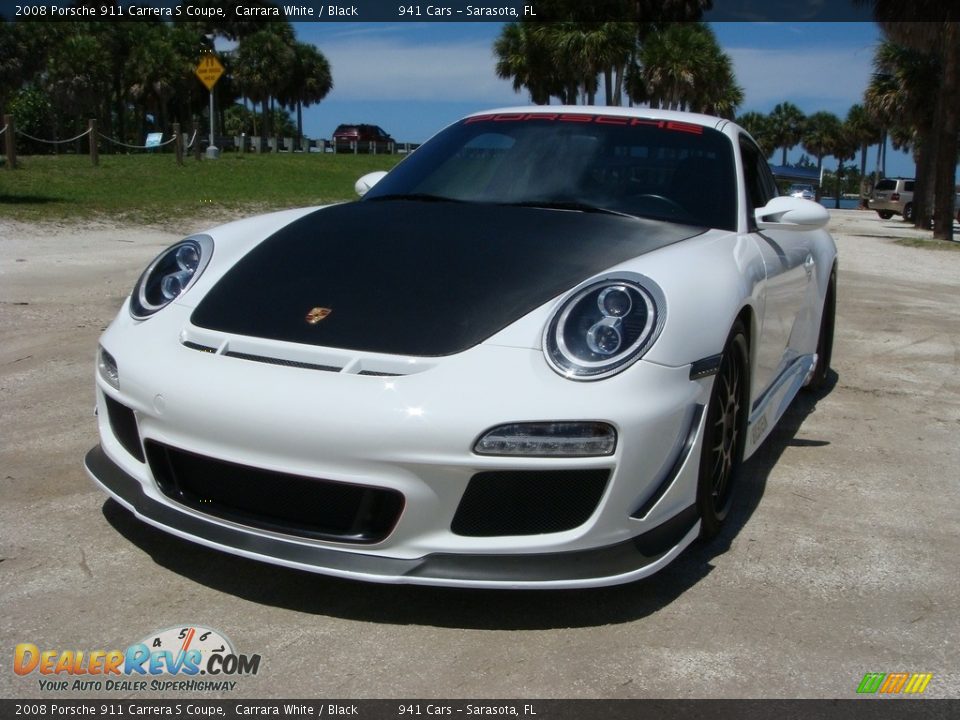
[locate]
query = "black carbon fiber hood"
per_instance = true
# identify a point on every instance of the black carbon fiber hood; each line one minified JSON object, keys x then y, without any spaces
{"x":418,"y":278}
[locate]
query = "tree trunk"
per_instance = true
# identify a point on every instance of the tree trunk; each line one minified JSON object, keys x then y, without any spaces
{"x":948,"y":126}
{"x":839,"y":192}
{"x":819,"y":192}
{"x":863,"y":176}
{"x":608,"y":86}
{"x":299,"y":125}
{"x":925,"y":179}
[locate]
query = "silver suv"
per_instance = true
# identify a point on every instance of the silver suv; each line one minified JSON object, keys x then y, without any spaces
{"x":893,"y":196}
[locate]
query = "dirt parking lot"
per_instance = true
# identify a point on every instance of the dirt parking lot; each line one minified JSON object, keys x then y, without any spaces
{"x":841,"y":557}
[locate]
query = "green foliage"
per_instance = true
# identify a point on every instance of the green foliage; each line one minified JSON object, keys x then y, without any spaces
{"x":654,"y":58}
{"x":786,"y":126}
{"x":139,"y":76}
{"x":32,"y":111}
{"x":683,"y":68}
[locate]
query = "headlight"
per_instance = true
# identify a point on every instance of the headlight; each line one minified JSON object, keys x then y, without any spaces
{"x":604,"y":326}
{"x":549,"y":439}
{"x":170,"y":275}
{"x":108,"y":368}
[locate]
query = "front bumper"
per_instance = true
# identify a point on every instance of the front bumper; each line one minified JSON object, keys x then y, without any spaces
{"x":618,"y":563}
{"x":410,"y":435}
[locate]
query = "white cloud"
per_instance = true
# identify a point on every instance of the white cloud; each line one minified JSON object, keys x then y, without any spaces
{"x":387,"y":69}
{"x":813,"y":78}
{"x":380,"y":63}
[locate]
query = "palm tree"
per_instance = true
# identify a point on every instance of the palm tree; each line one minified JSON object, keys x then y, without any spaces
{"x":758,"y":125}
{"x":78,"y":78}
{"x":309,"y":82}
{"x":786,"y":127}
{"x":571,"y":44}
{"x":721,"y":95}
{"x":864,"y":131}
{"x":843,"y":146}
{"x":156,"y":69}
{"x":683,"y":68}
{"x":263,"y":63}
{"x":120,"y":39}
{"x":821,"y":135}
{"x":669,"y":59}
{"x":898,"y":96}
{"x":940,"y":41}
{"x":525,"y":58}
{"x":586,"y":50}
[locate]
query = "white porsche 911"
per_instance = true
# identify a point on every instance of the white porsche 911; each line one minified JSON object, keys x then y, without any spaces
{"x":534,"y":354}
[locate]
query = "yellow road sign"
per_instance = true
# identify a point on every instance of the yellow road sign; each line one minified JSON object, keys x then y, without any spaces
{"x":209,"y":70}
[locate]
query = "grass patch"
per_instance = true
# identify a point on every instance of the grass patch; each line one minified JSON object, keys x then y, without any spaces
{"x":929,"y":244}
{"x":152,"y":188}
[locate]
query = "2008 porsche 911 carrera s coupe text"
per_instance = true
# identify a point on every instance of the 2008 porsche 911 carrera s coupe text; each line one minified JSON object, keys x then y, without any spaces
{"x":534,"y":354}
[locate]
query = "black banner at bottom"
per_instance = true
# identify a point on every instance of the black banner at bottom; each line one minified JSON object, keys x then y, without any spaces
{"x":853,"y":709}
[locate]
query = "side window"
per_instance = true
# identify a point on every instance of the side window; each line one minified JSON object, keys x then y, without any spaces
{"x":766,"y":176}
{"x":758,"y":180}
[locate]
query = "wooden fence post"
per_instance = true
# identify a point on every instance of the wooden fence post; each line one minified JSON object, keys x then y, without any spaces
{"x":177,"y":143}
{"x":9,"y":137}
{"x":94,"y":150}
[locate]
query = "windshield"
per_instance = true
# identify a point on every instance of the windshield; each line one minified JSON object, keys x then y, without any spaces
{"x":647,"y":168}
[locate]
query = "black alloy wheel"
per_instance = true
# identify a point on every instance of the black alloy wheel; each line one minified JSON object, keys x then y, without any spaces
{"x":825,"y":340}
{"x":724,"y":433}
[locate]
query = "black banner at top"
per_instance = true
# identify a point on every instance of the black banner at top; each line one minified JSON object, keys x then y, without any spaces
{"x":466,"y":10}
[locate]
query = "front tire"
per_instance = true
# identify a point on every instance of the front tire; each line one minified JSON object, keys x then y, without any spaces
{"x":885,"y":214}
{"x":723,"y":435}
{"x":825,"y":340}
{"x":908,"y":212}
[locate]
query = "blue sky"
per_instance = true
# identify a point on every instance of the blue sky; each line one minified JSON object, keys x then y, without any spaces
{"x":414,"y":79}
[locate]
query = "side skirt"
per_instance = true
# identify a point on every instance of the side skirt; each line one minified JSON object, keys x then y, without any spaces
{"x":770,"y":407}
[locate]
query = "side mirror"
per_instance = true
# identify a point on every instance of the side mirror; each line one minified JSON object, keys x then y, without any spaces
{"x":791,"y":213}
{"x":363,"y":185}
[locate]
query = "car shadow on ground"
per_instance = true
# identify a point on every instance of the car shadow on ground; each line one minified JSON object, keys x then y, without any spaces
{"x":468,"y":608}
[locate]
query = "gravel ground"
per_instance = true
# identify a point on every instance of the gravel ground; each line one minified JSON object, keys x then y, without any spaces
{"x":841,"y":557}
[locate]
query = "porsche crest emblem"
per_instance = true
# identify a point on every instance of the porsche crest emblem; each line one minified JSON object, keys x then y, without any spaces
{"x":317,"y":314}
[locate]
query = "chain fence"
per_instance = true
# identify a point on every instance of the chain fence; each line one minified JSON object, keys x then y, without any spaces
{"x":181,"y":146}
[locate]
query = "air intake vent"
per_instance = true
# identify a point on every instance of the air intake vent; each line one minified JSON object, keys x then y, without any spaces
{"x":528,"y":502}
{"x":124,"y":425}
{"x":289,"y":504}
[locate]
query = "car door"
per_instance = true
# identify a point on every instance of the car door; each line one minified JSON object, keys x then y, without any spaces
{"x":789,"y":263}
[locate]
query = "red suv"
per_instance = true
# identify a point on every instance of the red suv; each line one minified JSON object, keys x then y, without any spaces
{"x":361,"y":139}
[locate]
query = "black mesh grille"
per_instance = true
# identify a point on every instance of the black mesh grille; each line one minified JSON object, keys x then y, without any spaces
{"x":291,"y":504}
{"x":198,"y":346}
{"x":124,"y":425}
{"x":528,"y":502}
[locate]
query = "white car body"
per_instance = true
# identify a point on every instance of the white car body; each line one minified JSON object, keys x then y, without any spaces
{"x":408,"y":425}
